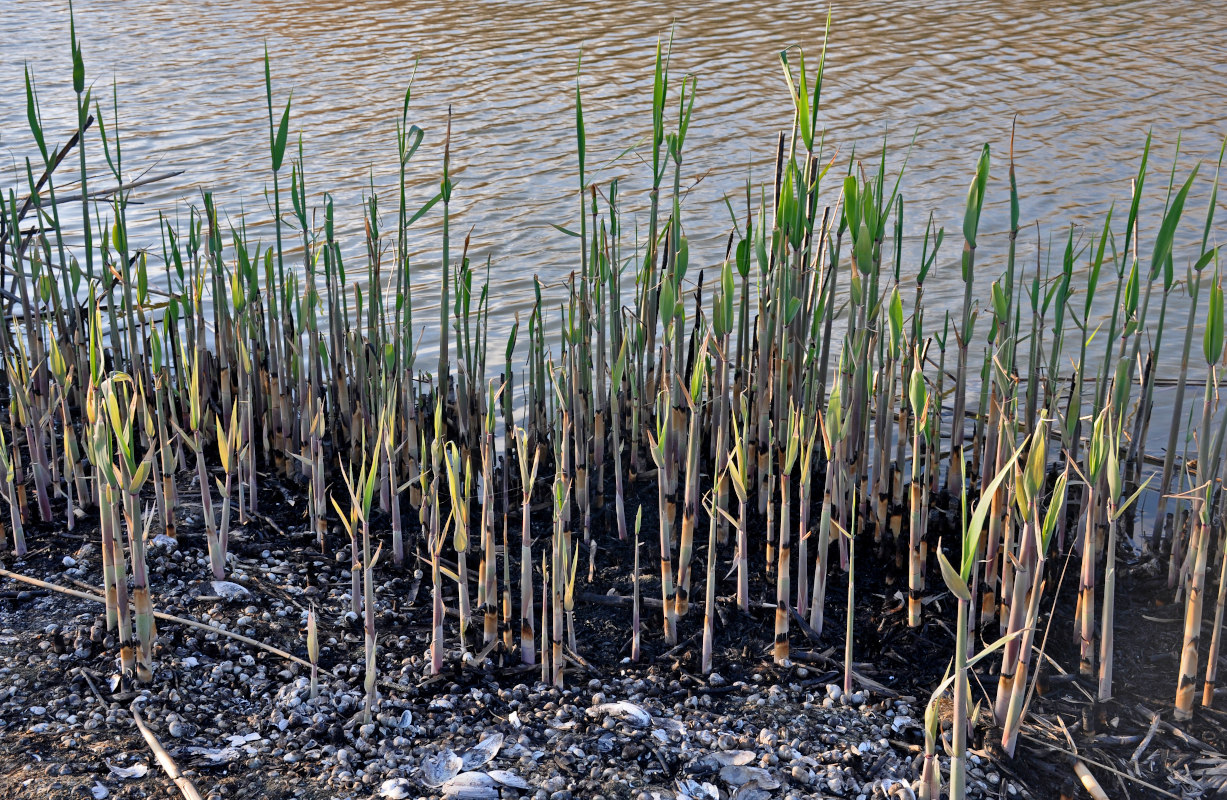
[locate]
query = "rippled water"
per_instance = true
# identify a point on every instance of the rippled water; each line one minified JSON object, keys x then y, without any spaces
{"x":1084,"y":80}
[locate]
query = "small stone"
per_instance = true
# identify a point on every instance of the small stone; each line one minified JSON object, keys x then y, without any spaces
{"x":230,"y":591}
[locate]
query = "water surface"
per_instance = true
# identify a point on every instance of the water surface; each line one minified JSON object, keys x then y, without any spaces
{"x":1084,"y":81}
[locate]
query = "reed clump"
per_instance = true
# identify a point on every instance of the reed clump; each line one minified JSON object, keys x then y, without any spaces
{"x":799,"y":377}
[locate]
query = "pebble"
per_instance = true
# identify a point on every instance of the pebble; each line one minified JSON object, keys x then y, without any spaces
{"x":254,"y":712}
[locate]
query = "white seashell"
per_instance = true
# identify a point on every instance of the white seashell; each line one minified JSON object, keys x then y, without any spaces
{"x":215,"y":755}
{"x":134,"y":771}
{"x":406,"y":719}
{"x":469,"y":778}
{"x":751,"y":791}
{"x":627,"y":712}
{"x":733,"y":758}
{"x":230,"y":591}
{"x":99,"y":791}
{"x":901,"y":791}
{"x":483,"y":752}
{"x":739,"y":775}
{"x":439,"y":769}
{"x":394,"y":789}
{"x":471,"y":786}
{"x":669,"y":724}
{"x":697,"y":790}
{"x":508,"y":778}
{"x":764,"y":779}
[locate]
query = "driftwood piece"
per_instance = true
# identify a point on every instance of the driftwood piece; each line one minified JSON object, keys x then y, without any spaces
{"x":168,"y":764}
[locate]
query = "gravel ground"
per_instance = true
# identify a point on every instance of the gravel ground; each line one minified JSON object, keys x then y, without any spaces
{"x":241,"y":722}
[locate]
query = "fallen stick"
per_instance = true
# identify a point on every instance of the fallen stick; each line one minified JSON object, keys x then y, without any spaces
{"x":805,"y":627}
{"x":163,"y":757}
{"x":267,"y":521}
{"x":617,"y":600}
{"x":1088,"y":781}
{"x":15,"y":595}
{"x":1075,"y":757}
{"x":1191,"y":741}
{"x":679,"y":647}
{"x":4,"y":573}
{"x":865,"y":682}
{"x":123,"y":187}
{"x":1109,"y":740}
{"x":105,"y":705}
{"x":579,"y":661}
{"x":55,"y":162}
{"x":1150,"y":734}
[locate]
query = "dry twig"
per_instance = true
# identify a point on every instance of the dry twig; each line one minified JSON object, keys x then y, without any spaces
{"x":163,"y":757}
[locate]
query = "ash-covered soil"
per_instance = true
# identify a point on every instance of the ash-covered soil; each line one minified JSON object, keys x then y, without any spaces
{"x":240,"y":721}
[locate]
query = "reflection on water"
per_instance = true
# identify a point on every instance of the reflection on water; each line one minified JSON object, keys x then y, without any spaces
{"x":1084,"y":80}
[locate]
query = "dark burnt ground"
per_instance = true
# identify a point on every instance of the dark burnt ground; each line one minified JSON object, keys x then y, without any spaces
{"x":907,"y":662}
